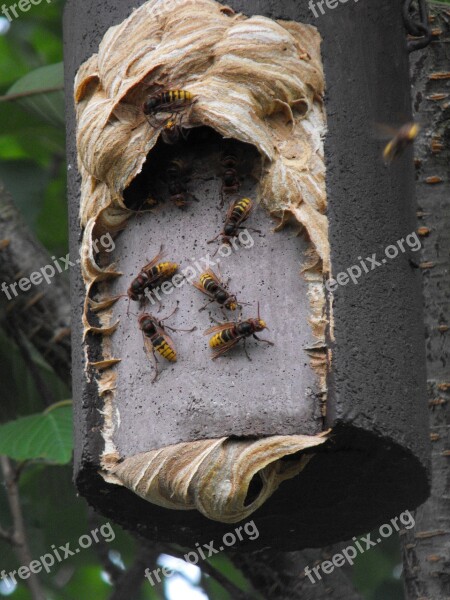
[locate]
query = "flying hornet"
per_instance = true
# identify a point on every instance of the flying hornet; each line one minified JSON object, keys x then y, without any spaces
{"x":156,"y":339}
{"x":238,"y":212}
{"x":227,"y":335}
{"x":401,"y":139}
{"x":216,"y":290}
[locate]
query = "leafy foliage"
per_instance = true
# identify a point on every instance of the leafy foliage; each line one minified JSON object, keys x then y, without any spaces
{"x":46,"y":436}
{"x":48,"y":106}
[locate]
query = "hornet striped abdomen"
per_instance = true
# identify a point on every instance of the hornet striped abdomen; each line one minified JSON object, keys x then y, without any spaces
{"x":153,"y":330}
{"x":161,"y":271}
{"x":223,"y":337}
{"x":210,"y":285}
{"x":230,"y":178}
{"x":152,"y":275}
{"x":167,"y":101}
{"x":214,"y":288}
{"x":227,"y":335}
{"x":403,"y":138}
{"x":157,"y":340}
{"x":238,"y":212}
{"x":163,"y":348}
{"x":177,"y":176}
{"x":175,"y":95}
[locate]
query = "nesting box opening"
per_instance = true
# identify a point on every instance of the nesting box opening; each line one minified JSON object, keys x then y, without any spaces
{"x":169,"y":168}
{"x":254,"y":489}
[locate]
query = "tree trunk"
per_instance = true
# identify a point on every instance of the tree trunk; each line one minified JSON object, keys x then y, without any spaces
{"x":281,"y":575}
{"x":426,"y":547}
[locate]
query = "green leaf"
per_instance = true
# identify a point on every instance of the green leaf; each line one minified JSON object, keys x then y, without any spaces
{"x":11,"y":65}
{"x":26,"y":181}
{"x":52,"y":224}
{"x":224,"y":564}
{"x":48,"y":106}
{"x":389,"y":590}
{"x":39,"y":140}
{"x":47,"y":43}
{"x":10,"y":148}
{"x":88,"y":578}
{"x":214,"y":589}
{"x":373,"y":568}
{"x":20,"y":396}
{"x":46,"y":436}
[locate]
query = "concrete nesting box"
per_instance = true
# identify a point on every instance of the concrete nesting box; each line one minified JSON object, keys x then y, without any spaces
{"x":322,"y":435}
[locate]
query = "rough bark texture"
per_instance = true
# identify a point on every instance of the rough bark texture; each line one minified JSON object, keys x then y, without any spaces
{"x":19,"y":539}
{"x":427,"y":546}
{"x":42,"y":314}
{"x":281,"y":575}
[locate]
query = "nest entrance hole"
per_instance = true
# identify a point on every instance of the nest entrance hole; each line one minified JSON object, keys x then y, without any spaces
{"x":171,"y":169}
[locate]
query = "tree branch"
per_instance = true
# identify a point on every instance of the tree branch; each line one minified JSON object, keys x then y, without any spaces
{"x":228,"y":585}
{"x":6,"y":535}
{"x":19,"y":536}
{"x":130,"y":583}
{"x":19,"y":95}
{"x":42,"y":314}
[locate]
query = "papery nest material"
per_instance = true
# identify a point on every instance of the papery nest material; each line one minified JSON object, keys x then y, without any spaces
{"x":255,"y":80}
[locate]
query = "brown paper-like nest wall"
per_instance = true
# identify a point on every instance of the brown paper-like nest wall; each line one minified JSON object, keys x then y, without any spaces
{"x":256,"y":80}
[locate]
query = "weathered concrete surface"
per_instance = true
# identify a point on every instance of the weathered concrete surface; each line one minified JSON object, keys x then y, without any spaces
{"x":197,"y":398}
{"x":376,"y":466}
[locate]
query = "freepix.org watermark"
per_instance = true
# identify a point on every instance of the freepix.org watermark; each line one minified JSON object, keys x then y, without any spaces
{"x":315,"y":7}
{"x":23,"y":6}
{"x":370,"y":263}
{"x":47,"y":272}
{"x":58,"y":555}
{"x":206,"y":551}
{"x":348,"y":554}
{"x":189,"y":273}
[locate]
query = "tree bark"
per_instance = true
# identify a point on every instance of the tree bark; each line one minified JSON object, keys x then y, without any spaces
{"x":19,"y":538}
{"x":42,"y":314}
{"x":128,"y":585}
{"x":281,"y":575}
{"x":426,"y":547}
